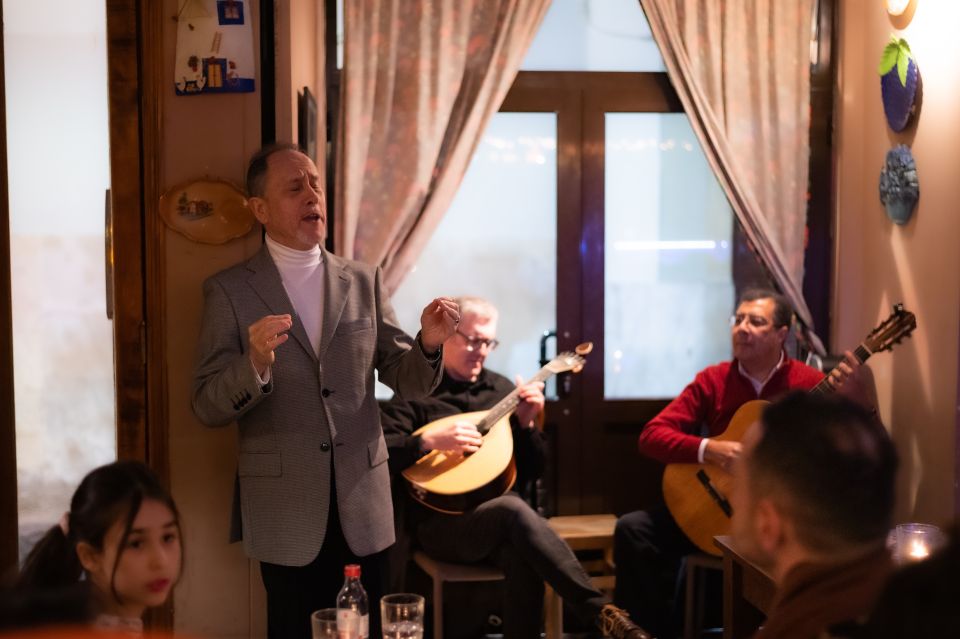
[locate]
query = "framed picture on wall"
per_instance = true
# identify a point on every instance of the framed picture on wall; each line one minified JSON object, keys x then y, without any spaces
{"x":307,"y":123}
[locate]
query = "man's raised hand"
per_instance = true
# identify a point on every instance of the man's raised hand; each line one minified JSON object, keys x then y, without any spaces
{"x":264,"y":336}
{"x":438,"y":322}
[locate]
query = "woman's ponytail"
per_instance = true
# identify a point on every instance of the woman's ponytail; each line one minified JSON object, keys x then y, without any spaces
{"x":52,"y":563}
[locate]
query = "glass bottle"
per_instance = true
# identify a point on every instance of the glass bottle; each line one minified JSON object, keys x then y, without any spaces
{"x":353,"y":622}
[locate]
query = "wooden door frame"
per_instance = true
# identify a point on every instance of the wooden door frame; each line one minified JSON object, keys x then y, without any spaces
{"x":134,"y":48}
{"x":126,"y":228}
{"x":9,"y":515}
{"x":135,"y":64}
{"x":818,"y":255}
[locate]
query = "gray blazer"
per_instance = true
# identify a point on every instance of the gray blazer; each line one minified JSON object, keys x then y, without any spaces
{"x":312,"y":413}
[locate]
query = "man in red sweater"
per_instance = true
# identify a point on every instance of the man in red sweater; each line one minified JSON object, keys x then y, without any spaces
{"x":648,"y":545}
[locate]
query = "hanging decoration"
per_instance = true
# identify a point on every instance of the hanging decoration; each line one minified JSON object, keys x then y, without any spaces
{"x":899,"y":77}
{"x":208,"y":210}
{"x":214,"y":47}
{"x":899,"y":185}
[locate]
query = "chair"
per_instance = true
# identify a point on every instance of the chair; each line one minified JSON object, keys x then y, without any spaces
{"x":581,"y":532}
{"x":441,"y":572}
{"x":696,"y":589}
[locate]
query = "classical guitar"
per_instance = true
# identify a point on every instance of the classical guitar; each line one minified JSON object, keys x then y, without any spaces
{"x":456,"y":483}
{"x":698,"y":494}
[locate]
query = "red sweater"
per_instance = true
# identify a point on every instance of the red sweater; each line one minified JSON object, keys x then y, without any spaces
{"x":710,"y":400}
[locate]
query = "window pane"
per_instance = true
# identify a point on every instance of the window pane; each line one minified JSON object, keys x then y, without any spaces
{"x":58,"y":171}
{"x":593,"y":35}
{"x":339,"y":34}
{"x":498,"y":240}
{"x":668,"y":279}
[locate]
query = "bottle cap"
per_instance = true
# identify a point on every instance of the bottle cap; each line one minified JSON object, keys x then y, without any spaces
{"x":351,"y":570}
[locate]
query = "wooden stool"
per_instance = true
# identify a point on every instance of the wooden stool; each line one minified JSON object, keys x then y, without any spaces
{"x":441,"y":571}
{"x":695,"y":564}
{"x":581,"y":532}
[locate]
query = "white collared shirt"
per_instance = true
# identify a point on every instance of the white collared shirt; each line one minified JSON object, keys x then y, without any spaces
{"x":757,"y":384}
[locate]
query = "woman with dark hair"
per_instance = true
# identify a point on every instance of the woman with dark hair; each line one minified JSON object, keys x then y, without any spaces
{"x":122,"y":536}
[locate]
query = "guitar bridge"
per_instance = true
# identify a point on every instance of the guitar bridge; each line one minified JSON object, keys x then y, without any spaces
{"x":721,"y":501}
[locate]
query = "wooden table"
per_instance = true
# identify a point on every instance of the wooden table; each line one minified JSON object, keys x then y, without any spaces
{"x":747,"y":592}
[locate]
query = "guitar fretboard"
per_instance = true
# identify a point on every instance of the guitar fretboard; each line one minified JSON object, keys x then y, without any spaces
{"x":862,"y":353}
{"x":509,"y":403}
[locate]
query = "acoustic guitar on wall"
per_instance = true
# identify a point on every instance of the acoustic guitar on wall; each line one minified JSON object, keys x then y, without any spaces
{"x":454,"y":483}
{"x":697,"y":495}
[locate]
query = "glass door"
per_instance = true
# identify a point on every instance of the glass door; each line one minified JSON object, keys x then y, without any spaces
{"x":659,"y":236}
{"x":58,"y":169}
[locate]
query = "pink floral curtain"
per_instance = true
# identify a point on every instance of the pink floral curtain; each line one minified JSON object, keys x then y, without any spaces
{"x":421,"y":80}
{"x":742,"y":71}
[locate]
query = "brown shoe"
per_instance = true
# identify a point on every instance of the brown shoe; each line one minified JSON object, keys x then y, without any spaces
{"x":614,"y":622}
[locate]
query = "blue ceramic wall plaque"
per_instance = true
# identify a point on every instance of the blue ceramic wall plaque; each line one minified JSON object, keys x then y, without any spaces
{"x":899,"y":186}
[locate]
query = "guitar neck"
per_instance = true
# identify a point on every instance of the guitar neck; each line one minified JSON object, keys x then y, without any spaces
{"x":509,"y":403}
{"x":862,"y":353}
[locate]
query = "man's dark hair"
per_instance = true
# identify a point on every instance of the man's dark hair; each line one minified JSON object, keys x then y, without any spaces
{"x":255,"y":182}
{"x":782,"y":308}
{"x":831,"y":466}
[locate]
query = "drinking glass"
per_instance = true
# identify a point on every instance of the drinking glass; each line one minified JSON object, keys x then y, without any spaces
{"x":323,"y":623}
{"x":401,"y":616}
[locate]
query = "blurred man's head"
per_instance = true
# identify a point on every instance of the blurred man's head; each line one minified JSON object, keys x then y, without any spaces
{"x":815,"y":483}
{"x":467,"y":349}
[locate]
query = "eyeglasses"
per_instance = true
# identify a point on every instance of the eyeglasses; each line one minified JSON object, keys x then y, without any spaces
{"x":476,"y":343}
{"x":756,"y":321}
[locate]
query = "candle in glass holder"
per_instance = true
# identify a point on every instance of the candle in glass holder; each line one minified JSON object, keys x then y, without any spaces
{"x":918,"y":549}
{"x":915,"y":542}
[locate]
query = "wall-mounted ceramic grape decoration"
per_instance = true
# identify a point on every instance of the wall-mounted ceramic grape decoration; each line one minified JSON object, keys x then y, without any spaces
{"x":899,"y":186}
{"x":899,"y":76}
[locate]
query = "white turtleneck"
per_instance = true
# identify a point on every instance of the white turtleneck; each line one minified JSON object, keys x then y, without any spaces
{"x":302,"y":275}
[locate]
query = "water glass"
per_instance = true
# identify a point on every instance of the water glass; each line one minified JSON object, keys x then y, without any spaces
{"x":402,"y":616}
{"x":323,"y":623}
